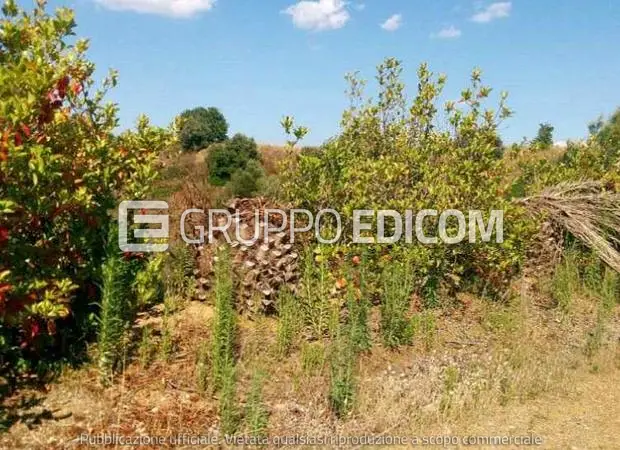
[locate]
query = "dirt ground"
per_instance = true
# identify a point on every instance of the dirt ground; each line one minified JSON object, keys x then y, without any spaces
{"x":586,"y":417}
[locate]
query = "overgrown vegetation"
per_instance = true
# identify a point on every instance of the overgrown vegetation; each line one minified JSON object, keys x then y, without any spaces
{"x":64,"y":283}
{"x":62,"y":171}
{"x":390,"y":155}
{"x":566,"y":282}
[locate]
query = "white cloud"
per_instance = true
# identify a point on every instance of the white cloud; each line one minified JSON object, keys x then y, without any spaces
{"x":393,"y":23}
{"x":174,"y":8}
{"x":561,"y":144}
{"x":492,"y":12}
{"x":319,"y":15}
{"x":450,"y":32}
{"x":360,"y":6}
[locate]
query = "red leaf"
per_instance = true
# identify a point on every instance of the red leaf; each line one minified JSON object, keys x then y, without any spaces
{"x":26,"y":130}
{"x":4,"y":234}
{"x":63,"y":83}
{"x":76,"y":88}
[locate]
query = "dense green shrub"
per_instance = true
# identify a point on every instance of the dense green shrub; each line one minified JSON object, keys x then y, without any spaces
{"x":62,"y":170}
{"x":248,"y":181}
{"x":201,"y":127}
{"x":608,"y":136}
{"x":596,"y":159}
{"x":149,"y":284}
{"x":393,"y":155}
{"x":587,"y":160}
{"x":226,"y":158}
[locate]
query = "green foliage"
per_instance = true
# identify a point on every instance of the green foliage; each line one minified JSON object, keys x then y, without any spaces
{"x":146,"y":348}
{"x":358,"y":306}
{"x":289,"y":322}
{"x":226,"y":158}
{"x":396,"y":328}
{"x":178,"y":266}
{"x":63,"y":169}
{"x":295,"y":132}
{"x":349,"y":339}
{"x":224,"y":328}
{"x":248,"y":181}
{"x":314,"y":296}
{"x":149,"y":286}
{"x":608,"y":136}
{"x":393,"y":155}
{"x":312,"y":357}
{"x":597,"y":159}
{"x":343,"y":357}
{"x":566,"y":281}
{"x":229,"y":413}
{"x":201,"y":127}
{"x":116,"y":312}
{"x":544,"y":138}
{"x":257,"y":416}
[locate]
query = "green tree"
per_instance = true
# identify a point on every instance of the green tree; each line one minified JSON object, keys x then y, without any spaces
{"x":544,"y":138}
{"x":394,"y":155}
{"x":201,"y":127}
{"x":246,"y":182}
{"x":226,"y":158}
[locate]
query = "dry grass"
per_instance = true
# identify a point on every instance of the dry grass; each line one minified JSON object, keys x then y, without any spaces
{"x":271,"y":156}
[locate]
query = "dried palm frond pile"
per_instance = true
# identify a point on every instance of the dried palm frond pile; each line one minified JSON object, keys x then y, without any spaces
{"x":263,"y":267}
{"x":586,"y":210}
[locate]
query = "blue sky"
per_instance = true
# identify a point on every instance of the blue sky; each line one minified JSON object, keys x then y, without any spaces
{"x":259,"y":60}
